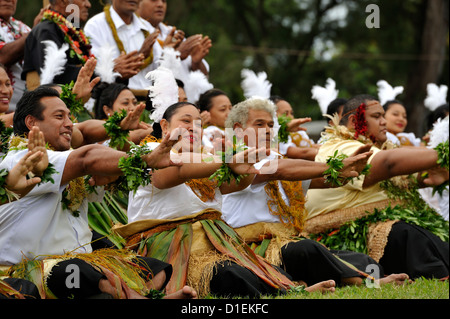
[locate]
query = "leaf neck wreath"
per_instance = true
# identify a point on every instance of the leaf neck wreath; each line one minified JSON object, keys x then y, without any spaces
{"x":119,"y":42}
{"x":77,"y":40}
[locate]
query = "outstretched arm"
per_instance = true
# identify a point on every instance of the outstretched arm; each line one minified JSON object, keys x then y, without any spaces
{"x":400,"y":161}
{"x":99,"y":160}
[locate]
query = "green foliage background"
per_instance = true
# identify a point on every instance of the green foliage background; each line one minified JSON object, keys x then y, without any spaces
{"x":280,"y":37}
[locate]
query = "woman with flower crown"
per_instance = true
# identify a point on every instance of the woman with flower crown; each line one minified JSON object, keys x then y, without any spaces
{"x":56,"y":27}
{"x":382,"y":214}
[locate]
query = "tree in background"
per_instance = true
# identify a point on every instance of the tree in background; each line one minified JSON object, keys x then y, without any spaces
{"x":300,"y":43}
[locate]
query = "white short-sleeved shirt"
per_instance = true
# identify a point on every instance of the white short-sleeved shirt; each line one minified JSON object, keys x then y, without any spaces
{"x":150,"y":202}
{"x":249,"y":206}
{"x":36,"y":225}
{"x":132,"y":37}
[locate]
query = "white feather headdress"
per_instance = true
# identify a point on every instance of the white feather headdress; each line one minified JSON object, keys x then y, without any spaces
{"x":325,"y":95}
{"x":195,"y":82}
{"x":436,"y":96}
{"x":386,"y":92}
{"x":54,"y":62}
{"x":163,"y":92}
{"x":196,"y":85}
{"x":170,"y":59}
{"x":439,"y":133}
{"x":105,"y":64}
{"x":255,"y":85}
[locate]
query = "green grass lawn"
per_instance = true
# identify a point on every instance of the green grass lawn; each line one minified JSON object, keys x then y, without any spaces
{"x":419,"y":289}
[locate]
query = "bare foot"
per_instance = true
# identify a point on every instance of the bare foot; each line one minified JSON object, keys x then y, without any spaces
{"x":397,"y":279}
{"x":323,"y":287}
{"x":185,"y":293}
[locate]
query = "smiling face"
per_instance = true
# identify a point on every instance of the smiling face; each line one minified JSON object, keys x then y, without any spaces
{"x":6,"y":90}
{"x":56,"y":124}
{"x":125,"y":100}
{"x":396,"y":118}
{"x":154,"y":11}
{"x":188,"y":118}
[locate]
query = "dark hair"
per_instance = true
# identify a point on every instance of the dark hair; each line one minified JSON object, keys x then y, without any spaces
{"x":335,"y":106}
{"x":170,"y":111}
{"x":353,"y":103}
{"x":2,"y":67}
{"x":389,"y":103}
{"x":276,"y":98}
{"x":440,"y":113}
{"x":204,"y":101}
{"x":106,"y":94}
{"x":180,"y":83}
{"x":30,"y":104}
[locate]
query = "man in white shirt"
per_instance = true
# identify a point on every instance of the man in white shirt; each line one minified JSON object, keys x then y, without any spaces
{"x":192,"y":50}
{"x":132,"y":40}
{"x":305,"y":259}
{"x":38,"y":225}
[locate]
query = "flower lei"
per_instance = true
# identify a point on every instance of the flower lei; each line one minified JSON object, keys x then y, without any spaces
{"x":77,"y":40}
{"x":119,"y":42}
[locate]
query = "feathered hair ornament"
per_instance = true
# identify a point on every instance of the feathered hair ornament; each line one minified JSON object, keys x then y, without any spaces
{"x":255,"y":85}
{"x":386,"y":92}
{"x":54,"y":62}
{"x":163,"y":92}
{"x":105,"y":64}
{"x":195,"y":82}
{"x":325,"y":95}
{"x":439,"y":133}
{"x":436,"y":96}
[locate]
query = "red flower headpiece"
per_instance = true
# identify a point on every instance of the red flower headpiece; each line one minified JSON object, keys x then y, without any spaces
{"x":361,"y":123}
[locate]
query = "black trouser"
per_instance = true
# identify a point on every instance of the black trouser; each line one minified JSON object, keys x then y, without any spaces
{"x":90,"y":277}
{"x":231,"y":279}
{"x":311,"y":262}
{"x":25,"y":287}
{"x":415,"y":251}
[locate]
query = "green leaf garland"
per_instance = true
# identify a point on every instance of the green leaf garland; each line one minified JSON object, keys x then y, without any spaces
{"x":112,"y":126}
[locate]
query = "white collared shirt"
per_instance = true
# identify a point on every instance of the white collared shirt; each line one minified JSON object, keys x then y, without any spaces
{"x":36,"y":225}
{"x":249,"y":205}
{"x":132,"y":37}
